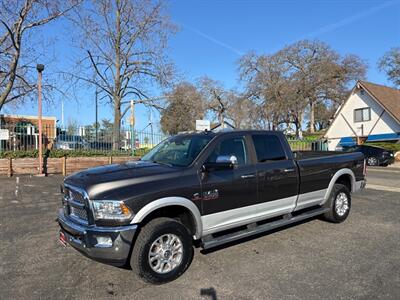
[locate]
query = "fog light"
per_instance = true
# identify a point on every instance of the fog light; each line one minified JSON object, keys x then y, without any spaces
{"x":103,"y":241}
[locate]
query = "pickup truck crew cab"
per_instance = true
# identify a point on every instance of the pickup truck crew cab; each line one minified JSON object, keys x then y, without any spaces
{"x":205,"y":189}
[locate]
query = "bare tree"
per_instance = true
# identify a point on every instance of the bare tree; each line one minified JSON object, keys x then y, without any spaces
{"x":185,"y":105}
{"x":123,"y":43}
{"x":390,"y":65}
{"x":297,"y":77}
{"x":268,"y":80}
{"x":215,"y":97}
{"x":241,"y":110}
{"x":228,"y":104}
{"x":321,"y":73}
{"x":17,"y":21}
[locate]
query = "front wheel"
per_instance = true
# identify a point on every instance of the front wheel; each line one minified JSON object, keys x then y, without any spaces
{"x":162,"y":252}
{"x":339,"y":204}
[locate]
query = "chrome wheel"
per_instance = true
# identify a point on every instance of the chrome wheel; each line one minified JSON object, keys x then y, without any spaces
{"x":341,"y":204}
{"x":372,"y":161}
{"x":165,"y":253}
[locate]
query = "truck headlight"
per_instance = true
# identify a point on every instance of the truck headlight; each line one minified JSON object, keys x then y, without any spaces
{"x":111,"y":210}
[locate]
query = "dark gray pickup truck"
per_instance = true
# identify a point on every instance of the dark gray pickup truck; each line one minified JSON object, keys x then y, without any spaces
{"x":204,"y":189}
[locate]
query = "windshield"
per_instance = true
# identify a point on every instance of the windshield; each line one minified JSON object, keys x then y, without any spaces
{"x":179,"y":151}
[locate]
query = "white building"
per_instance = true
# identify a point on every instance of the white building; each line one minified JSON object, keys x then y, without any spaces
{"x":371,"y":113}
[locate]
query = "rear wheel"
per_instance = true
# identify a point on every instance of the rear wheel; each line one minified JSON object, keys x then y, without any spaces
{"x":339,"y":204}
{"x":162,"y":252}
{"x":372,"y":161}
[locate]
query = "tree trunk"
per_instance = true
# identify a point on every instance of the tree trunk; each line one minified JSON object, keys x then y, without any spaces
{"x":117,"y":81}
{"x":117,"y":123}
{"x":312,"y":116}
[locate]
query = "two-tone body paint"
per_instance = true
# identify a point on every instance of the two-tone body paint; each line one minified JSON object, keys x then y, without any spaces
{"x":225,"y":198}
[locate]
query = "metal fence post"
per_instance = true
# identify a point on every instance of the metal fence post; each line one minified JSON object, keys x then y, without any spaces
{"x":10,"y":170}
{"x":64,"y":165}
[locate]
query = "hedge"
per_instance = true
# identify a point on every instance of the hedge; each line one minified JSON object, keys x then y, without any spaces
{"x":388,"y":146}
{"x":56,"y":153}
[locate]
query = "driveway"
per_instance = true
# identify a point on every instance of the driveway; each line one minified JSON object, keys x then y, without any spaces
{"x":358,"y":259}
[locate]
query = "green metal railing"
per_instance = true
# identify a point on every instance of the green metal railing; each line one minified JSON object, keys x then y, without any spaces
{"x":307,"y":144}
{"x":26,"y":138}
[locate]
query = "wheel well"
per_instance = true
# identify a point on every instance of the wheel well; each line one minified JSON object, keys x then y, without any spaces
{"x":345,"y":179}
{"x":177,"y":212}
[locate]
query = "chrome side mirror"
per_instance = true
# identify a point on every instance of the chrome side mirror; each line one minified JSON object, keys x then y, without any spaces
{"x":227,"y":159}
{"x":223,"y":162}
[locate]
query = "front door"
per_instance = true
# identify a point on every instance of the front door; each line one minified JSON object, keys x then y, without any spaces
{"x":226,"y":193}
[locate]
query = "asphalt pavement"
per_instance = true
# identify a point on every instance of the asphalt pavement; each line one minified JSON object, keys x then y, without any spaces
{"x":358,"y":259}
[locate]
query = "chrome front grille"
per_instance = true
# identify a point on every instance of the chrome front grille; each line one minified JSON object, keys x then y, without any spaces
{"x":74,"y":204}
{"x":78,"y":212}
{"x":75,"y":195}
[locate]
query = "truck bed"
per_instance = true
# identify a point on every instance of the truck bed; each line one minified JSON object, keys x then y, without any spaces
{"x":300,"y":155}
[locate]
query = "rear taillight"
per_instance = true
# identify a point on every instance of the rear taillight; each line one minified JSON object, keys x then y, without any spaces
{"x":365,"y":167}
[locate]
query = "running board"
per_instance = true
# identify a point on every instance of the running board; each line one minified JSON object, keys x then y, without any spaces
{"x":253,"y":229}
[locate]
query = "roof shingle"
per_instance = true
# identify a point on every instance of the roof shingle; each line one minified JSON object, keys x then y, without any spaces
{"x":388,"y":97}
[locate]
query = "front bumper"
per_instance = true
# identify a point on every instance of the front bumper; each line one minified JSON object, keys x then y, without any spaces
{"x":387,"y":160}
{"x":84,"y":239}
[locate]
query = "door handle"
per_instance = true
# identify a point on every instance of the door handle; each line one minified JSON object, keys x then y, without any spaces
{"x":288,"y":170}
{"x":248,"y":176}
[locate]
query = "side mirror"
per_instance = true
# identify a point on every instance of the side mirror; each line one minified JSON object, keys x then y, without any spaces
{"x":227,"y":159}
{"x":223,"y":162}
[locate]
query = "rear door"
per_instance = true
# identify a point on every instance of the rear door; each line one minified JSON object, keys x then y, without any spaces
{"x":277,"y":175}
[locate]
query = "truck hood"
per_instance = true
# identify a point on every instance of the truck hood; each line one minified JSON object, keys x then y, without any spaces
{"x":100,"y":182}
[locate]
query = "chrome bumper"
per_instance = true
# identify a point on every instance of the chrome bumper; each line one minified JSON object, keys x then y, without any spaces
{"x":84,"y":239}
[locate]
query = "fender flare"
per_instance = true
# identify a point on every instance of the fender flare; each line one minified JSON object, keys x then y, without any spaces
{"x":339,"y":173}
{"x":171,"y":201}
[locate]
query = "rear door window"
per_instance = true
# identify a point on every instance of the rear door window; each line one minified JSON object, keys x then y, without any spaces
{"x":268,"y":148}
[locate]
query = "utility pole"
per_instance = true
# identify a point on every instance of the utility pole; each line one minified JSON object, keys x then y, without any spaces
{"x":132,"y":121}
{"x":40,"y":68}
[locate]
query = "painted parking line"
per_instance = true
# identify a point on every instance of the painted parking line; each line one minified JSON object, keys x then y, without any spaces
{"x":384,"y":170}
{"x":383,"y":188}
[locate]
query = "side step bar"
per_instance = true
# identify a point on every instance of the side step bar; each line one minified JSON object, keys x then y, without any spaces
{"x":253,"y":229}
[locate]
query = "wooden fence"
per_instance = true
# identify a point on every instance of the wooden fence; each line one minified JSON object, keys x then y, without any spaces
{"x":64,"y":165}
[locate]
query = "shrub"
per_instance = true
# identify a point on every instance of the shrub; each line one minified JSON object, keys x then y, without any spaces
{"x":57,"y":153}
{"x":388,"y":146}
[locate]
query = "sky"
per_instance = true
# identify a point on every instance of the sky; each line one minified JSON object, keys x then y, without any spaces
{"x":214,"y":34}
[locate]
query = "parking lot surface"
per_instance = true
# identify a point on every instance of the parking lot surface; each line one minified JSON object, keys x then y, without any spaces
{"x":358,"y":259}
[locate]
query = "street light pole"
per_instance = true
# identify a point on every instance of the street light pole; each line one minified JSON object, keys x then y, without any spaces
{"x":96,"y":122}
{"x":40,"y":68}
{"x":132,"y":121}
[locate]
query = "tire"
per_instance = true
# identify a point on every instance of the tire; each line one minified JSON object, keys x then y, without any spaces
{"x":339,"y":204}
{"x":169,"y":263}
{"x":372,"y":161}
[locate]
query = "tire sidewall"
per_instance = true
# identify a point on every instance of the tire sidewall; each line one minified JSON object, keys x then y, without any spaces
{"x":168,"y":228}
{"x":340,"y":189}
